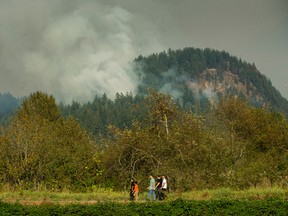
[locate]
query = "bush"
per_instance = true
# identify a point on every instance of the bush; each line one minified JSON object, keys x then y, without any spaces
{"x":177,"y":207}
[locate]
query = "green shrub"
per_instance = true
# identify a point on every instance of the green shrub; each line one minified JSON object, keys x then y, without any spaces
{"x":176,"y":207}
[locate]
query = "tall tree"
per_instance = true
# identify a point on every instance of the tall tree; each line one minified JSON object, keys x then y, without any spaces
{"x":42,"y":148}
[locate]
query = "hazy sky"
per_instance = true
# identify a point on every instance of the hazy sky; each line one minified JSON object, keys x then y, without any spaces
{"x":75,"y":49}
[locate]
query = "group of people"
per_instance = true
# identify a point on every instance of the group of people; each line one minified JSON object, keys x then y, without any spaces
{"x":156,"y":189}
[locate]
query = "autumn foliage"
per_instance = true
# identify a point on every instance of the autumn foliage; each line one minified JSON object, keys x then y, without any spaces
{"x":233,"y":145}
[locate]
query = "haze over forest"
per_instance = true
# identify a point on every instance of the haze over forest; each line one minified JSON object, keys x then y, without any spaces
{"x":74,"y":50}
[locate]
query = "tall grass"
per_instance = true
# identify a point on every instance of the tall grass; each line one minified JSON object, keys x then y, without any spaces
{"x":46,"y":197}
{"x":230,"y":194}
{"x":99,"y":195}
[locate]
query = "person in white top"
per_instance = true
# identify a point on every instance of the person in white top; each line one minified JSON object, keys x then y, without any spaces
{"x":164,"y":183}
{"x":164,"y":186}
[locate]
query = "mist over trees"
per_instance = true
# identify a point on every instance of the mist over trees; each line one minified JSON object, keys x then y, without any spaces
{"x":169,"y":71}
{"x":8,"y":106}
{"x":234,"y":141}
{"x":235,"y":145}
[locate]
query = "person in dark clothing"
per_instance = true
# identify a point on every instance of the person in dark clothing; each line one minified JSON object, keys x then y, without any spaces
{"x":132,"y":189}
{"x":158,"y":188}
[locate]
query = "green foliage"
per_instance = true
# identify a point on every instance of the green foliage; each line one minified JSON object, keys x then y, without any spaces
{"x":177,"y":207}
{"x":176,"y":68}
{"x":233,"y":146}
{"x":173,"y":72}
{"x":39,"y":105}
{"x":200,"y":140}
{"x":8,"y":107}
{"x":169,"y":142}
{"x":237,"y":146}
{"x":41,"y":148}
{"x":97,"y":115}
{"x":258,"y":143}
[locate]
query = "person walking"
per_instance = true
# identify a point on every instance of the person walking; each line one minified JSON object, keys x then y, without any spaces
{"x":132,"y":189}
{"x":136,"y":190}
{"x":151,"y":188}
{"x":164,"y":187}
{"x":158,"y":188}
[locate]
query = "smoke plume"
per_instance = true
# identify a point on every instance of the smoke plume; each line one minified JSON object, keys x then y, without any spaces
{"x":70,"y":50}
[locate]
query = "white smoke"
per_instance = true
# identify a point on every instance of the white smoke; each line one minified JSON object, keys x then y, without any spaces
{"x":210,"y":95}
{"x":79,"y":61}
{"x":171,"y":82}
{"x":74,"y":51}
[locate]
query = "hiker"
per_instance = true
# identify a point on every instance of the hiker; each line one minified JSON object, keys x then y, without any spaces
{"x":136,"y":190}
{"x":132,"y":189}
{"x":158,"y":188}
{"x":151,"y":188}
{"x":164,"y":186}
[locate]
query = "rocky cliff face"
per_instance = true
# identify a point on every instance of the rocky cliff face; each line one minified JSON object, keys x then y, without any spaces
{"x":212,"y":83}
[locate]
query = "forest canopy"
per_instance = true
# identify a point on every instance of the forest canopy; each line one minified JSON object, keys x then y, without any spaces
{"x":234,"y":145}
{"x":233,"y":133}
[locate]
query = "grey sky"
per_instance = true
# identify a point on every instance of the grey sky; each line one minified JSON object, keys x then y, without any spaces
{"x":76,"y":49}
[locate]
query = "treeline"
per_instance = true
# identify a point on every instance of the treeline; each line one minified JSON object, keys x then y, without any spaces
{"x":8,"y":106}
{"x":41,"y":149}
{"x":234,"y":145}
{"x":169,"y":71}
{"x":102,"y":111}
{"x":172,"y":72}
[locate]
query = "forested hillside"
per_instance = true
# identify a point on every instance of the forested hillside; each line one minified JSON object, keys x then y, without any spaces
{"x":196,"y":78}
{"x":202,"y":117}
{"x":8,"y":106}
{"x":97,"y":115}
{"x":199,"y":77}
{"x":234,"y":145}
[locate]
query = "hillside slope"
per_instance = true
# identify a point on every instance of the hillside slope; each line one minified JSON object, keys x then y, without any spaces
{"x":199,"y":77}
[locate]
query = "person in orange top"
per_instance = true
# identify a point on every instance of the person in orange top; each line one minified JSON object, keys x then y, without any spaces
{"x":136,"y":190}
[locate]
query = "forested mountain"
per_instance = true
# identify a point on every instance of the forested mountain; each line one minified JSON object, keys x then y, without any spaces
{"x":203,"y":134}
{"x":8,"y":105}
{"x":199,"y":77}
{"x":196,"y":78}
{"x":95,"y":116}
{"x":234,"y":145}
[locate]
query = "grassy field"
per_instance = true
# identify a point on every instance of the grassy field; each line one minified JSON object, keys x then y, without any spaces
{"x":224,"y":201}
{"x":104,"y":195}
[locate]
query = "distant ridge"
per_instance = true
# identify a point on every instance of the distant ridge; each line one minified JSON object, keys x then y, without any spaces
{"x":198,"y":77}
{"x":8,"y":105}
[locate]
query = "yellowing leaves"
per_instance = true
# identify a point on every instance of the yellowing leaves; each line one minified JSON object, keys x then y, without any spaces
{"x":42,"y":147}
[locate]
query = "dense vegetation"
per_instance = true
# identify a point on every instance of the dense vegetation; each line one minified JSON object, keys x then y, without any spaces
{"x":95,"y":116}
{"x":235,"y":145}
{"x":170,"y":71}
{"x":8,"y":105}
{"x":41,"y":147}
{"x":104,"y":142}
{"x":177,"y":207}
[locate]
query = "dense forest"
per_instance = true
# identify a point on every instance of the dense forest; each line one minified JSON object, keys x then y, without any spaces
{"x":238,"y":139}
{"x":8,"y":106}
{"x":170,"y":71}
{"x":235,"y":145}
